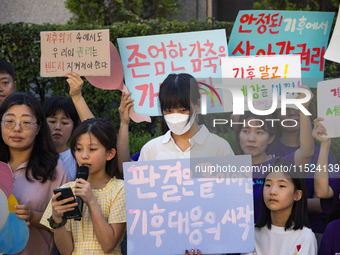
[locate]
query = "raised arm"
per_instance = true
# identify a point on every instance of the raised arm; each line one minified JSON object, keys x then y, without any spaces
{"x":76,"y":84}
{"x":321,"y":182}
{"x":123,"y":150}
{"x":304,"y":154}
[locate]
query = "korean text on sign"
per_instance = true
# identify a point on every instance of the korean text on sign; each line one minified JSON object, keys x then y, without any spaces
{"x":167,"y":210}
{"x":85,"y":52}
{"x":148,"y":60}
{"x":283,"y":33}
{"x":260,"y":77}
{"x":329,"y":106}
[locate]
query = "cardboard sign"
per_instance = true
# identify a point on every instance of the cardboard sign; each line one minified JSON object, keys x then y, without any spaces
{"x":85,"y":52}
{"x":148,"y":60}
{"x":259,"y":77}
{"x":333,"y":52}
{"x":274,"y":32}
{"x":329,"y":106}
{"x":168,"y":211}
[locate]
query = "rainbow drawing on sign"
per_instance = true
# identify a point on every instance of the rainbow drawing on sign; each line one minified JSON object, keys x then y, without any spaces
{"x":204,"y":98}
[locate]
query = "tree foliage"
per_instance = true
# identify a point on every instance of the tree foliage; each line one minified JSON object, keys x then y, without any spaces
{"x":302,"y":5}
{"x":106,"y":12}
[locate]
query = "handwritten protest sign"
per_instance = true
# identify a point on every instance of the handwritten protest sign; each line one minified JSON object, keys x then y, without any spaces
{"x":168,"y":211}
{"x":329,"y":106}
{"x":333,"y":52}
{"x":259,"y":77}
{"x":284,"y":32}
{"x":86,"y":52}
{"x":148,"y":60}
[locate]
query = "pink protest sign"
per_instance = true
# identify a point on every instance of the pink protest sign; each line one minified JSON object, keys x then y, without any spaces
{"x":115,"y":80}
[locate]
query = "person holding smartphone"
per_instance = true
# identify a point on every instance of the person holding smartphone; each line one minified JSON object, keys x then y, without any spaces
{"x":103,"y":222}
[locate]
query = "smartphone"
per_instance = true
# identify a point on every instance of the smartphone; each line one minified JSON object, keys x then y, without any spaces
{"x":66,"y":192}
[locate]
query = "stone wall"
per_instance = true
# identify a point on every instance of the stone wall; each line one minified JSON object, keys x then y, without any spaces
{"x":54,"y":11}
{"x":34,"y":11}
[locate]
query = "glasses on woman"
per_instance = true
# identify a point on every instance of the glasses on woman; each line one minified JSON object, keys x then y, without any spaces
{"x":25,"y":125}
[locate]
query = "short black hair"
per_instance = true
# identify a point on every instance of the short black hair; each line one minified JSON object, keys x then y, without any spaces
{"x":299,"y":215}
{"x":178,"y":90}
{"x":268,"y":127}
{"x":7,"y":68}
{"x":104,"y":131}
{"x":55,"y":104}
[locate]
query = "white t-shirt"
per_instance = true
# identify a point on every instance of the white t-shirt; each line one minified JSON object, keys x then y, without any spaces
{"x":202,"y":144}
{"x":277,"y":241}
{"x":70,"y":162}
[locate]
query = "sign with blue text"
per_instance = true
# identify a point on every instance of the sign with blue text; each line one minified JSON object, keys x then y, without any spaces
{"x":179,"y":204}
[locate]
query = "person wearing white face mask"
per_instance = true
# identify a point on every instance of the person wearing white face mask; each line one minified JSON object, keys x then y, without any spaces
{"x":179,"y":99}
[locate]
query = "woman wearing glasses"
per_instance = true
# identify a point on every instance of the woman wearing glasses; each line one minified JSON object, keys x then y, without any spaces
{"x":27,"y":147}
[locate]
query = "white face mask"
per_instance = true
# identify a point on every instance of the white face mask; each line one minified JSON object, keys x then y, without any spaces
{"x":178,"y":122}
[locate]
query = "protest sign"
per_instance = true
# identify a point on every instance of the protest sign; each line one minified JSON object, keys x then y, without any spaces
{"x":85,"y":52}
{"x":329,"y":106}
{"x":148,"y":60}
{"x":333,"y":52}
{"x":169,"y":211}
{"x":259,"y":77}
{"x":258,"y":32}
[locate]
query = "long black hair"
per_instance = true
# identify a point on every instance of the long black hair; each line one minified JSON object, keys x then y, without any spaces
{"x":299,"y":214}
{"x":104,"y":131}
{"x":44,"y":158}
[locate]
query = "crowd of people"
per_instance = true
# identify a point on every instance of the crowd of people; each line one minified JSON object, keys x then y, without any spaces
{"x":45,"y":145}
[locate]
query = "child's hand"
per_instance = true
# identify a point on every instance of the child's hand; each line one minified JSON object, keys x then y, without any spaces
{"x":75,"y":82}
{"x":125,"y":104}
{"x":319,"y":130}
{"x":83,"y":189}
{"x":192,"y":252}
{"x":59,"y":207}
{"x":24,"y":212}
{"x":302,"y":95}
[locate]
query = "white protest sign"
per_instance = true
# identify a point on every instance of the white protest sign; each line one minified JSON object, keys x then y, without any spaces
{"x":329,"y":106}
{"x":333,"y":52}
{"x":85,"y":52}
{"x":259,"y":77}
{"x":169,"y":211}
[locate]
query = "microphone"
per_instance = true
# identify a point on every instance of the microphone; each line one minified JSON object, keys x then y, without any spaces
{"x":83,"y":172}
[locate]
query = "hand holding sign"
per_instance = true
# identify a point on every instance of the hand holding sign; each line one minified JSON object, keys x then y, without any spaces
{"x":329,"y":106}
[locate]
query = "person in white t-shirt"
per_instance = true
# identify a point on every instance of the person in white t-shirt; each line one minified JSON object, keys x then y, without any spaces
{"x":62,"y":118}
{"x":283,"y":226}
{"x":62,"y":114}
{"x":179,"y":99}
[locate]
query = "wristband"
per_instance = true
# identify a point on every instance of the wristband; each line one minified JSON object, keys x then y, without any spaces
{"x":55,"y":225}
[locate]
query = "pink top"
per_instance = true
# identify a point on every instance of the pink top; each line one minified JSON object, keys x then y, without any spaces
{"x":37,"y":195}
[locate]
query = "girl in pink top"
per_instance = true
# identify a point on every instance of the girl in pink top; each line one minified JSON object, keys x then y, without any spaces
{"x":26,"y":145}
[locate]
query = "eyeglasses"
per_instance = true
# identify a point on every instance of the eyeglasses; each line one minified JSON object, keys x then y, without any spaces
{"x":25,"y":125}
